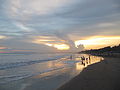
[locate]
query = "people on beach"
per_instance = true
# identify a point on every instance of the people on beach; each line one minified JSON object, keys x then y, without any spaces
{"x":85,"y":60}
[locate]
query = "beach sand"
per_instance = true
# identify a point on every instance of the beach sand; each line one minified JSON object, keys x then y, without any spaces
{"x":104,"y":75}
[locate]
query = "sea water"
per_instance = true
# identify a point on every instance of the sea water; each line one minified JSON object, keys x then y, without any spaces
{"x":18,"y":66}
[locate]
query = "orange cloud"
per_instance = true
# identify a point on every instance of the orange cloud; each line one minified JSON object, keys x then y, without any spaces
{"x":51,"y":42}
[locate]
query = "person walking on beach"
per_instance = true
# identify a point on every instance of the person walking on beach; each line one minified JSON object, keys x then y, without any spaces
{"x":87,"y":60}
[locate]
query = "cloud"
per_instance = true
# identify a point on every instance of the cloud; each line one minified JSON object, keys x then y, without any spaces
{"x":23,"y":27}
{"x":106,"y":25}
{"x":60,"y":41}
{"x":64,"y":14}
{"x":58,"y":21}
{"x":27,"y":8}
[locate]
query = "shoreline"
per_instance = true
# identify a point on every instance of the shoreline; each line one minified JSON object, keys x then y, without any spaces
{"x":103,"y":75}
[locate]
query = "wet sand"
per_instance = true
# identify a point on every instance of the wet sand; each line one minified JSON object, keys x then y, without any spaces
{"x":104,"y":75}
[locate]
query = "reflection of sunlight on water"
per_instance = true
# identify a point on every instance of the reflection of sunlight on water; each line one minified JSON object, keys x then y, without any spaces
{"x":53,"y":73}
{"x":60,"y":76}
{"x":59,"y":66}
{"x":77,"y":58}
{"x":89,"y":59}
{"x":79,"y":66}
{"x":56,"y":72}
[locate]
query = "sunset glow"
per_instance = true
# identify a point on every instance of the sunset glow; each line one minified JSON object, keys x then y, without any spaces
{"x":52,"y":43}
{"x":99,"y":41}
{"x":61,"y":46}
{"x":45,"y":43}
{"x":58,"y":24}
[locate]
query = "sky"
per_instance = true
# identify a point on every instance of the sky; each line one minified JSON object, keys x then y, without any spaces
{"x":58,"y":25}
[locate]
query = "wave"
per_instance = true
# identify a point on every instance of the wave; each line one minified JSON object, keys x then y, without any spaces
{"x":65,"y":59}
{"x":7,"y":79}
{"x":19,"y":64}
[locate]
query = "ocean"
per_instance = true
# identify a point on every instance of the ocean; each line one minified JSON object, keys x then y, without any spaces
{"x":17,"y":67}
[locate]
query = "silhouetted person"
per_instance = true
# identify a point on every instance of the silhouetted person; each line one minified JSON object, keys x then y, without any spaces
{"x":87,"y":60}
{"x":83,"y":60}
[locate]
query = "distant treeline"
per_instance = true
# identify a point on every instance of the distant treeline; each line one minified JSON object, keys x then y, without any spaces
{"x":115,"y":50}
